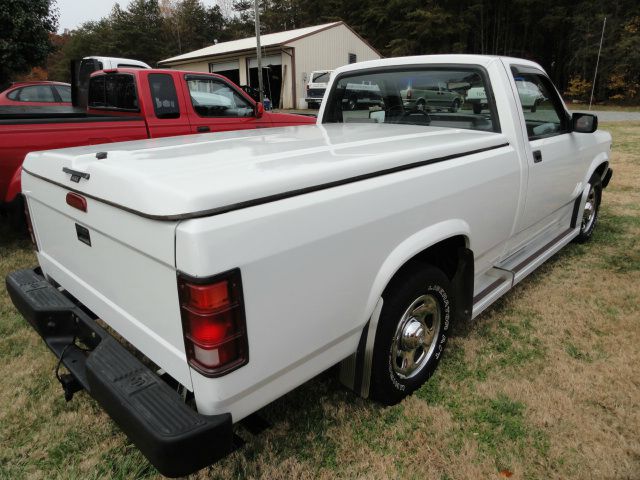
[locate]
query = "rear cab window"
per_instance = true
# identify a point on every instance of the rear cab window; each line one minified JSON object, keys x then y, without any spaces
{"x":437,"y":96}
{"x":320,"y":77}
{"x":113,"y":91}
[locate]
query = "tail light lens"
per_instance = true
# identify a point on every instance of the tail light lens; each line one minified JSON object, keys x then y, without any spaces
{"x":27,"y":217}
{"x":213,"y":322}
{"x":409,"y":93}
{"x":77,"y":201}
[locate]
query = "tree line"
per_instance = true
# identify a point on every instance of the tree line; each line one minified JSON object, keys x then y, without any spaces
{"x":562,"y":35}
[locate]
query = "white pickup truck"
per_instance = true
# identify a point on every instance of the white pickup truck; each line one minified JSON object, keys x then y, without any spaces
{"x":239,"y":265}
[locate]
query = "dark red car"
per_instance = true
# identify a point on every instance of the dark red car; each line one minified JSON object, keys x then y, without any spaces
{"x":37,"y":94}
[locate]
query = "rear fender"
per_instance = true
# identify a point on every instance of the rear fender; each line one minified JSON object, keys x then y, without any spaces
{"x":411,"y":247}
{"x":355,"y":370}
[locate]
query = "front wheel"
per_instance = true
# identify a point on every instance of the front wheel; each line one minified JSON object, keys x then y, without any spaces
{"x":455,"y":106}
{"x":411,"y":335}
{"x":591,"y":209}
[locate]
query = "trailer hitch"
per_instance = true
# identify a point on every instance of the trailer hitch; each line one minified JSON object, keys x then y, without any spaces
{"x":69,"y":382}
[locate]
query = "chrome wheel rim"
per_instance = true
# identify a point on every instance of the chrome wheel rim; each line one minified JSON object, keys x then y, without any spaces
{"x":414,"y":340}
{"x":589,"y":213}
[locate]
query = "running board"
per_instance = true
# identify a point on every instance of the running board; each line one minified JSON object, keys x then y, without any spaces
{"x":516,"y":268}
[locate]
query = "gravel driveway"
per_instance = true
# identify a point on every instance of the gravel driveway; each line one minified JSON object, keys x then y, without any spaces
{"x":607,"y":116}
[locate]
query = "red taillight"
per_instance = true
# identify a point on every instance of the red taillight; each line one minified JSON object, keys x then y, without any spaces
{"x":27,"y":217}
{"x":213,"y":322}
{"x":409,"y":93}
{"x":77,"y":201}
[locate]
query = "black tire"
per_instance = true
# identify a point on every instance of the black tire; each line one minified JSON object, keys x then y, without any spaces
{"x":588,"y":225}
{"x":14,"y":213}
{"x":477,"y":108}
{"x":421,"y":287}
{"x":534,"y":107}
{"x":455,"y":107}
{"x":421,"y":105}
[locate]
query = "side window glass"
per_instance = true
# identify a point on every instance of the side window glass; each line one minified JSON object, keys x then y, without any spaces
{"x":37,"y":93}
{"x":543,"y":112}
{"x":64,"y":92}
{"x":14,"y":95}
{"x":212,"y":98}
{"x":163,"y":93}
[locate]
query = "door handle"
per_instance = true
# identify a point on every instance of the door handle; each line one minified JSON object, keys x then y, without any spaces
{"x":203,"y":128}
{"x":537,"y":156}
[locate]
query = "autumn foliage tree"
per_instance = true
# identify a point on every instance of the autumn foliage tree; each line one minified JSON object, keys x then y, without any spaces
{"x":25,"y":26}
{"x":562,"y":35}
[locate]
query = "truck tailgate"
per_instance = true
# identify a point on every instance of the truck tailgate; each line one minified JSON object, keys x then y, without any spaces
{"x":97,"y":256}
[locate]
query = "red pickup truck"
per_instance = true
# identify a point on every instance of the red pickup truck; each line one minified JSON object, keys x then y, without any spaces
{"x":130,"y":104}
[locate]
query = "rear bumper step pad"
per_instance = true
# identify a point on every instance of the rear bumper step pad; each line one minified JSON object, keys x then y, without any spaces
{"x":176,"y":439}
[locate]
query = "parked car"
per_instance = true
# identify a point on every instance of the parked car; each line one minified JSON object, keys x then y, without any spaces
{"x":36,"y":93}
{"x":432,"y":96}
{"x":316,"y":86}
{"x":130,"y":104}
{"x":477,"y":97}
{"x":243,"y":264}
{"x":529,"y":93}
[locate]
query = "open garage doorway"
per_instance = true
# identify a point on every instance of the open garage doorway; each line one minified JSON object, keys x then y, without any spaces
{"x":271,"y":77}
{"x":231,"y":70}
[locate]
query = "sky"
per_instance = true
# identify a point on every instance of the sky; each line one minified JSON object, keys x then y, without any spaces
{"x":73,"y":13}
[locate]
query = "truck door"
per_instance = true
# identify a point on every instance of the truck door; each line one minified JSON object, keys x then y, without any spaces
{"x":216,"y":106}
{"x":168,"y":115}
{"x":552,"y":152}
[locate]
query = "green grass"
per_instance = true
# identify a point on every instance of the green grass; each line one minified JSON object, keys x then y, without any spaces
{"x":544,"y":384}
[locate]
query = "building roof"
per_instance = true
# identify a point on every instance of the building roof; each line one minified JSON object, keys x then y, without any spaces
{"x":268,"y":40}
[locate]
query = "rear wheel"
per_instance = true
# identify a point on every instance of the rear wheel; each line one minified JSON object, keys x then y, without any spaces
{"x":411,"y":333}
{"x":591,"y":209}
{"x":477,"y":108}
{"x":455,"y":106}
{"x":421,"y":105}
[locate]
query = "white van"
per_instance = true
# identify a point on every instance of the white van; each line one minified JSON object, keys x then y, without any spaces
{"x":316,"y":86}
{"x":107,"y":63}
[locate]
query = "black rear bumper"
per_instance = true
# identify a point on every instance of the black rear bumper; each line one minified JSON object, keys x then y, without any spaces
{"x":176,"y":439}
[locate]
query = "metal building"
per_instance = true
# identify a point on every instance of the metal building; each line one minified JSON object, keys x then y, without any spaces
{"x":287,"y":59}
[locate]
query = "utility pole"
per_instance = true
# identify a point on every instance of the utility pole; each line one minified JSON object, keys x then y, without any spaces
{"x":258,"y":51}
{"x":593,"y":86}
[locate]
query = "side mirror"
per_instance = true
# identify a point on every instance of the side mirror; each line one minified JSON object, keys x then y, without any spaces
{"x":259,"y":110}
{"x":584,"y":122}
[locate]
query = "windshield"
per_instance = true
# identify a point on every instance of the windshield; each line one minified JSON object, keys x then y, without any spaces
{"x":320,"y":77}
{"x":432,"y":96}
